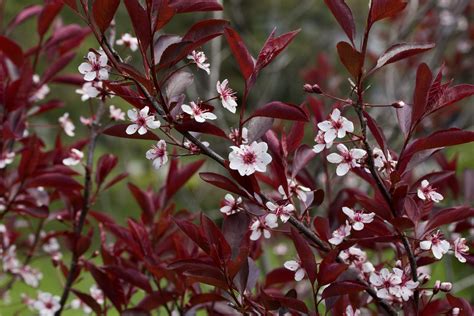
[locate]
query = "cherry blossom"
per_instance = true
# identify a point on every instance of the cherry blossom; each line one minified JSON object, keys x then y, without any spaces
{"x":295,"y":266}
{"x":259,"y":227}
{"x":6,"y":158}
{"x":10,"y":261}
{"x":74,"y":157}
{"x":461,"y":249}
{"x":351,"y":311}
{"x":95,"y":68}
{"x":46,"y":304}
{"x":406,"y":286}
{"x":234,"y":135}
{"x":51,"y":246}
{"x":97,"y":294}
{"x":89,"y":90}
{"x":87,"y":121}
{"x":437,"y":245}
{"x":199,"y":58}
{"x":67,"y":125}
{"x":116,"y":114}
{"x":358,"y":218}
{"x":357,"y":259}
{"x":455,"y":311}
{"x":247,"y":159}
{"x":321,"y":144}
{"x":141,"y":121}
{"x":199,"y":114}
{"x":78,"y":304}
{"x":227,"y":95}
{"x":427,"y":193}
{"x":158,"y":154}
{"x":339,"y":234}
{"x":41,"y":91}
{"x":231,"y":205}
{"x":129,"y":41}
{"x":193,"y":148}
{"x":295,"y":188}
{"x":282,"y":211}
{"x":383,"y":163}
{"x":347,"y":160}
{"x":336,"y":126}
{"x":386,"y":282}
{"x":30,"y":275}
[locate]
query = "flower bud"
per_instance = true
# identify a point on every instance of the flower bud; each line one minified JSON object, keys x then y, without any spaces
{"x":446,"y":286}
{"x":398,"y":104}
{"x":308,"y":88}
{"x":436,"y":286}
{"x":455,"y":311}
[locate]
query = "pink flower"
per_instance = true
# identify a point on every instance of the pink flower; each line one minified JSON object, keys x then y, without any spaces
{"x":294,"y":265}
{"x":158,"y":154}
{"x":407,"y":285}
{"x":427,"y":193}
{"x":116,"y":114}
{"x":437,"y":245}
{"x":93,"y":68}
{"x":247,"y":159}
{"x":67,"y":125}
{"x":347,"y":159}
{"x":89,"y":90}
{"x":336,"y":126}
{"x":357,"y":258}
{"x":283,"y":211}
{"x":74,"y":157}
{"x":46,"y":304}
{"x":358,"y":218}
{"x":234,"y":135}
{"x":197,"y":113}
{"x":6,"y":158}
{"x":339,"y":234}
{"x":387,"y":283}
{"x":41,"y":91}
{"x":351,"y":312}
{"x":97,"y":294}
{"x":295,"y":188}
{"x":87,"y":121}
{"x":142,"y":121}
{"x":384,"y":163}
{"x":129,"y":41}
{"x":231,"y":205}
{"x":321,"y":144}
{"x":30,"y":276}
{"x":199,"y":58}
{"x":461,"y":249}
{"x":259,"y":227}
{"x":227,"y":95}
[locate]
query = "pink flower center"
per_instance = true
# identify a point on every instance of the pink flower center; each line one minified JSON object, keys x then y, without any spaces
{"x":96,"y":67}
{"x":158,"y":152}
{"x":249,"y":157}
{"x":141,"y":121}
{"x":337,"y":124}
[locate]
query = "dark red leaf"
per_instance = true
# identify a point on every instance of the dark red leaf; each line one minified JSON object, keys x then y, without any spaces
{"x":350,"y":58}
{"x":58,"y":181}
{"x":103,"y":12}
{"x":118,"y":130}
{"x":155,"y":300}
{"x":12,"y":50}
{"x":401,"y":51}
{"x":57,"y":66}
{"x":47,"y":15}
{"x":273,"y":47}
{"x":240,"y":52}
{"x":375,"y":130}
{"x":343,"y":15}
{"x":221,"y":182}
{"x":281,"y":110}
{"x":448,"y":216}
{"x":144,"y":199}
{"x":131,"y":276}
{"x":184,"y":6}
{"x":163,"y":11}
{"x":198,"y":299}
{"x":463,"y":305}
{"x":342,"y":288}
{"x":25,"y":14}
{"x":178,"y":177}
{"x":89,"y":301}
{"x":455,"y":94}
{"x":279,"y":276}
{"x":424,"y":77}
{"x":203,"y":128}
{"x":106,"y":163}
{"x":140,"y":22}
{"x":303,"y":155}
{"x":110,"y":286}
{"x":306,"y":255}
{"x":382,"y":9}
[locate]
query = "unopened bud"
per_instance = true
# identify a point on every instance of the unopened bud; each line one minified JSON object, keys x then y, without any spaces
{"x":455,"y":311}
{"x":308,"y":88}
{"x":436,"y":286}
{"x":398,"y":104}
{"x":446,"y":286}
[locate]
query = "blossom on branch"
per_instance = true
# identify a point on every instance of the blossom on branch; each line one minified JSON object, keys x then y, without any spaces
{"x":336,"y":127}
{"x":347,"y":159}
{"x":427,"y":193}
{"x":358,"y":218}
{"x":199,"y":58}
{"x":259,"y":226}
{"x":227,"y":95}
{"x":438,"y":246}
{"x":74,"y":157}
{"x":95,"y":68}
{"x":247,"y":159}
{"x":129,"y":41}
{"x":141,"y":121}
{"x":295,"y":266}
{"x":158,"y":154}
{"x":196,"y":112}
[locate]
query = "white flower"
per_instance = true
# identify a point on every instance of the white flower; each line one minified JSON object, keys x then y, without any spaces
{"x":141,"y":121}
{"x":231,"y":205}
{"x":234,"y":135}
{"x":339,"y":234}
{"x":129,"y":41}
{"x":294,"y":265}
{"x":87,"y":121}
{"x":89,"y":90}
{"x":247,"y":159}
{"x":93,"y":68}
{"x":295,"y":188}
{"x":197,"y":113}
{"x":30,"y":276}
{"x":347,"y":159}
{"x":158,"y":154}
{"x":51,"y":246}
{"x":259,"y":227}
{"x":407,"y":285}
{"x":426,"y":192}
{"x":387,"y":283}
{"x":357,"y":259}
{"x":437,"y":245}
{"x":67,"y":125}
{"x":10,"y":262}
{"x":461,"y":249}
{"x":227,"y":95}
{"x":351,"y":312}
{"x":46,"y":304}
{"x":116,"y":114}
{"x":336,"y":126}
{"x":199,"y":58}
{"x":74,"y":157}
{"x":321,"y":143}
{"x":41,"y":92}
{"x":193,"y":148}
{"x":97,"y":294}
{"x":283,"y":211}
{"x":383,"y":162}
{"x":78,"y":304}
{"x":358,"y":218}
{"x":6,"y":158}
